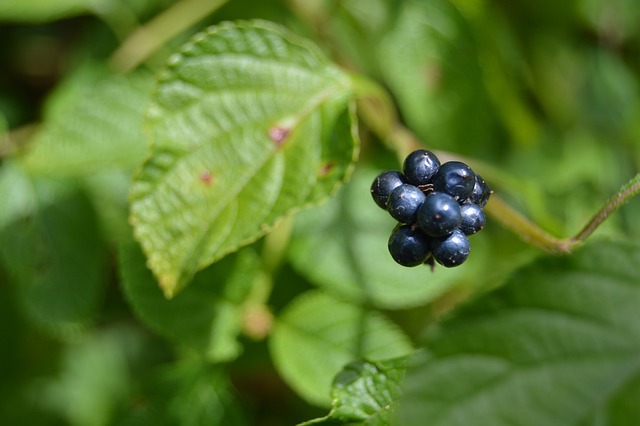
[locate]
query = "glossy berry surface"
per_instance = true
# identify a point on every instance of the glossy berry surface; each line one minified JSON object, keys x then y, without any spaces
{"x":439,"y":215}
{"x":456,"y":179}
{"x":481,"y":192}
{"x":473,"y":218}
{"x":408,"y":246}
{"x":452,"y":250}
{"x":404,"y":202}
{"x":420,"y":166}
{"x":383,"y":184}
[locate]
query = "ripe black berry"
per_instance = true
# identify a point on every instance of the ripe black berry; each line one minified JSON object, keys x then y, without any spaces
{"x":408,"y":246}
{"x":456,"y":179}
{"x":383,"y":184}
{"x":452,"y":250}
{"x":420,"y":166}
{"x":481,"y":192}
{"x":404,"y":202}
{"x":439,"y":215}
{"x":473,"y":218}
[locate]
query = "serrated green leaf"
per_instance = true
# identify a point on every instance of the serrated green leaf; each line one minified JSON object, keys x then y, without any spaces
{"x":248,"y":124}
{"x":558,"y":345}
{"x":52,"y":249}
{"x":365,"y":393}
{"x":207,"y":316}
{"x":342,"y":246}
{"x":94,"y":123}
{"x":317,"y":335}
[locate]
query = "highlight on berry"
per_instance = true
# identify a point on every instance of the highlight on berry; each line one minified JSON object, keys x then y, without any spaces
{"x":437,"y":207}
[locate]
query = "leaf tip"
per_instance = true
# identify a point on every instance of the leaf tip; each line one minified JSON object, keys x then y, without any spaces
{"x":168,"y":288}
{"x":167,"y":282}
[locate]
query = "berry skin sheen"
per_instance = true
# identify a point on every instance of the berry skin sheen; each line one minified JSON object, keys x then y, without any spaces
{"x":473,"y":218}
{"x":481,"y":192}
{"x":439,"y":215}
{"x":420,"y":166}
{"x":451,"y":251}
{"x":383,"y":184}
{"x":404,"y":202}
{"x":456,"y":179}
{"x":408,"y":246}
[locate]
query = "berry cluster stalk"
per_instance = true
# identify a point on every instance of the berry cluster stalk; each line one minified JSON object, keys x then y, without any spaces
{"x":378,"y":112}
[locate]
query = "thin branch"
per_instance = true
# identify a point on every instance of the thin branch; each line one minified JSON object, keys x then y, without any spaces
{"x":628,"y":191}
{"x":148,"y":39}
{"x":525,"y":228}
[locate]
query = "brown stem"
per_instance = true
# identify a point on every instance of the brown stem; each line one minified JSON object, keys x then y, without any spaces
{"x":625,"y":193}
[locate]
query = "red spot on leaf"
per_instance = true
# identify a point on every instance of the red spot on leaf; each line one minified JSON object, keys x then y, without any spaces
{"x":278,"y":134}
{"x":206,"y":177}
{"x":326,"y":169}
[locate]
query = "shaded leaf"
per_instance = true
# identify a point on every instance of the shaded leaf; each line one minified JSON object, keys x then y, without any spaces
{"x":559,"y":344}
{"x":318,"y":335}
{"x":53,"y":251}
{"x":430,"y":61}
{"x":207,"y":316}
{"x":248,"y":123}
{"x":188,"y":393}
{"x":93,"y":123}
{"x":94,"y":377}
{"x":43,"y":10}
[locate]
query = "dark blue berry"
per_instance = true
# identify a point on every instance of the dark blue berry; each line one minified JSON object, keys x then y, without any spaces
{"x":456,"y":179}
{"x":420,"y":166}
{"x":404,"y":202}
{"x":439,"y":215}
{"x":408,"y":246}
{"x":481,"y":192}
{"x":473,"y":218}
{"x":383,"y":184}
{"x":452,"y":250}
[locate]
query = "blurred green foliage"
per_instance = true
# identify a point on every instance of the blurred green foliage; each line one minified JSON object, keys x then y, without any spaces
{"x":543,"y":98}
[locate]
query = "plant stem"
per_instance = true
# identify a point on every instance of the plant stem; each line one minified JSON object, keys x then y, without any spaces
{"x":524,"y":228}
{"x":533,"y":234}
{"x":628,"y":191}
{"x":148,"y":39}
{"x":257,"y":317}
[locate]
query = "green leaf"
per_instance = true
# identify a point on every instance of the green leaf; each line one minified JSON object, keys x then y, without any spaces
{"x":16,"y":192}
{"x":187,"y":393}
{"x":94,"y":377}
{"x":207,"y":316}
{"x":43,"y":10}
{"x":52,"y":248}
{"x":92,"y":124}
{"x":430,"y":62}
{"x":365,"y":393}
{"x":317,"y":335}
{"x":248,"y":124}
{"x":558,"y":345}
{"x":342,"y":246}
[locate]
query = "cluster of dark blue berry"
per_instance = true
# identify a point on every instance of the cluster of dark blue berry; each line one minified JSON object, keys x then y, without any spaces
{"x":437,"y":207}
